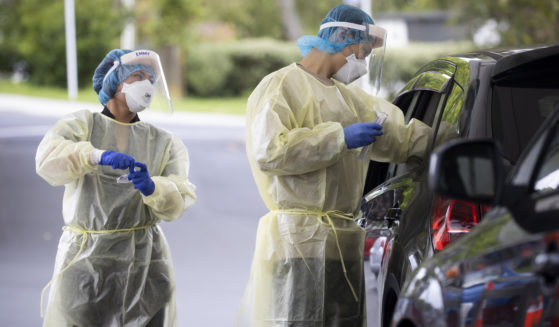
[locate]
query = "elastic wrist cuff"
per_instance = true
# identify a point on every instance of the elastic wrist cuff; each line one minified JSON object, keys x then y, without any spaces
{"x":96,"y":156}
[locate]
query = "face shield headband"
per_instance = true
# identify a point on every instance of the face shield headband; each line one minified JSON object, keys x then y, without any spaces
{"x":368,"y":32}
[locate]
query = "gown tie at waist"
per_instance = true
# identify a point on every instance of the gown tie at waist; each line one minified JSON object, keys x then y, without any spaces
{"x":328,"y":215}
{"x":84,"y":234}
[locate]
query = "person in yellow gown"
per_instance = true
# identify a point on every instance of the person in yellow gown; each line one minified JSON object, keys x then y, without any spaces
{"x":122,"y":176}
{"x":306,"y":125}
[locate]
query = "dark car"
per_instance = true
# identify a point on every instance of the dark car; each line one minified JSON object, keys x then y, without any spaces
{"x":505,"y":272}
{"x":500,"y":94}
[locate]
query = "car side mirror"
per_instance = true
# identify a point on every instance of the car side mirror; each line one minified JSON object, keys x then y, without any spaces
{"x":468,"y":170}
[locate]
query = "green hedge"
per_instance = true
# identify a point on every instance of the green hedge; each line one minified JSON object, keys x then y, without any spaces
{"x":235,"y":68}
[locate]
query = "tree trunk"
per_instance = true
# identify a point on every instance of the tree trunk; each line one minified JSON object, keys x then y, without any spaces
{"x":171,"y":62}
{"x":290,"y":20}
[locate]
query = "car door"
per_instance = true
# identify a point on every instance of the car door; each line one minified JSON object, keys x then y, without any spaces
{"x":517,"y":269}
{"x":385,"y":206}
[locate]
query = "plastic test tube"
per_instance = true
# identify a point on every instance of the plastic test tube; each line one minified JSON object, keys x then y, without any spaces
{"x":381,"y":117}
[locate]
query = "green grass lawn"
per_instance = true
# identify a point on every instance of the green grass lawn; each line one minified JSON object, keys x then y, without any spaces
{"x":232,"y":106}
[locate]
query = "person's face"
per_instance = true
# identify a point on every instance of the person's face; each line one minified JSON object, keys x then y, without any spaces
{"x":136,"y":76}
{"x":361,"y":50}
{"x":139,"y":76}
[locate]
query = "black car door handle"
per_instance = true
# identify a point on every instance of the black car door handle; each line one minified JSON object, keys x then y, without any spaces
{"x":393,"y":214}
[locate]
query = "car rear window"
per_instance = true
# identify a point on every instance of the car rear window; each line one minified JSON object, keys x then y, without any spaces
{"x":517,"y":114}
{"x":521,"y":101}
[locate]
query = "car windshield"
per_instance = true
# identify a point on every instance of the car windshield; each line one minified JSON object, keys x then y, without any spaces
{"x":520,"y":103}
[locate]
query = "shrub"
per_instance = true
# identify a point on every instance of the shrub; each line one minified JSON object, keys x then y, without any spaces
{"x":235,"y":68}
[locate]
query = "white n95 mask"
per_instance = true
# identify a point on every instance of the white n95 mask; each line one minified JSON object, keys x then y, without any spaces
{"x":138,"y":95}
{"x":351,"y":70}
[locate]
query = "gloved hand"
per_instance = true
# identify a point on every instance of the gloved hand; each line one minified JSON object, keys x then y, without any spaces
{"x":117,"y":160}
{"x":361,"y":134}
{"x":141,"y":179}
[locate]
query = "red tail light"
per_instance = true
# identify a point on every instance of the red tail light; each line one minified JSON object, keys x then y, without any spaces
{"x":452,"y":219}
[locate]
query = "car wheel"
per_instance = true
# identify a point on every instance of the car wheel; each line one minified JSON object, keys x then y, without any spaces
{"x":390,"y":297}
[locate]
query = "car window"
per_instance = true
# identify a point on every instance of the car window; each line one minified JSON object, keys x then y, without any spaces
{"x":522,"y":99}
{"x":423,"y":92}
{"x":423,"y":106}
{"x":406,"y":101}
{"x":547,"y":178}
{"x":421,"y":100}
{"x":517,"y":114}
{"x":449,"y":125}
{"x":425,"y":101}
{"x":378,"y":172}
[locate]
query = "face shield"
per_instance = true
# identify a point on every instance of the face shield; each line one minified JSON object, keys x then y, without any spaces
{"x":133,"y":61}
{"x":367,"y":44}
{"x":376,"y":57}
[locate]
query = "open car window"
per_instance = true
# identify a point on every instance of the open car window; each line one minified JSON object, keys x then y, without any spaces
{"x":420,"y":99}
{"x":424,"y":100}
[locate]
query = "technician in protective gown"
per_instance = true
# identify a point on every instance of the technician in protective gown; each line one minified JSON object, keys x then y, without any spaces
{"x":113,"y":266}
{"x":306,"y":128}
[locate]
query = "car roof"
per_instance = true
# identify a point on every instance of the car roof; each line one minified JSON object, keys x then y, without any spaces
{"x":515,"y":59}
{"x":510,"y":58}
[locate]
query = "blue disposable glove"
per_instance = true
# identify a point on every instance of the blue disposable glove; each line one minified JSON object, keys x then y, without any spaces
{"x":117,"y":160}
{"x":141,"y":179}
{"x":361,"y":134}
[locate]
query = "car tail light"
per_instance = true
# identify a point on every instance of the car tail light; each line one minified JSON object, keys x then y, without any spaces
{"x":484,"y":209}
{"x":452,"y":219}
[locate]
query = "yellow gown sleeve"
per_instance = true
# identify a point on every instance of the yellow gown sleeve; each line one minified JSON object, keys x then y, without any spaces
{"x":279,"y":147}
{"x":399,"y":141}
{"x":64,"y":153}
{"x":173,"y":193}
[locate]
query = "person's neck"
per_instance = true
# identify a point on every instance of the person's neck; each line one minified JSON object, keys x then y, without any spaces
{"x":120,"y":111}
{"x":321,"y":64}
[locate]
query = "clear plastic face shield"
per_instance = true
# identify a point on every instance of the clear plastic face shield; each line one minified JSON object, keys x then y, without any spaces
{"x":376,"y":56}
{"x":160,"y":99}
{"x":367,"y":54}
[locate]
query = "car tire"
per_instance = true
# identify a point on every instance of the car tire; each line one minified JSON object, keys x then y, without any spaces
{"x":389,"y":299}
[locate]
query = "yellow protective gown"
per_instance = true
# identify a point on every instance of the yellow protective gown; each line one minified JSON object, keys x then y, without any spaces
{"x":307,"y":268}
{"x":113,"y":266}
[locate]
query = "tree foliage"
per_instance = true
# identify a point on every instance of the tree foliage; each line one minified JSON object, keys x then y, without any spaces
{"x":165,"y":22}
{"x":521,"y":21}
{"x":249,"y":18}
{"x":409,"y":5}
{"x":33,"y":32}
{"x":312,"y":13}
{"x":254,"y":18}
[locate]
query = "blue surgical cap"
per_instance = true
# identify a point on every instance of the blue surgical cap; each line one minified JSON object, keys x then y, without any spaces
{"x":106,"y":87}
{"x":334,"y":39}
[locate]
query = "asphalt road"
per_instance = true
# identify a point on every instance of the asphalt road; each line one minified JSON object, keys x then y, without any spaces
{"x":211,"y":245}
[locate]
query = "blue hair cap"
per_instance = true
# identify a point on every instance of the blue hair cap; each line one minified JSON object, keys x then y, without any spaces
{"x":334,"y":39}
{"x":105,"y":85}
